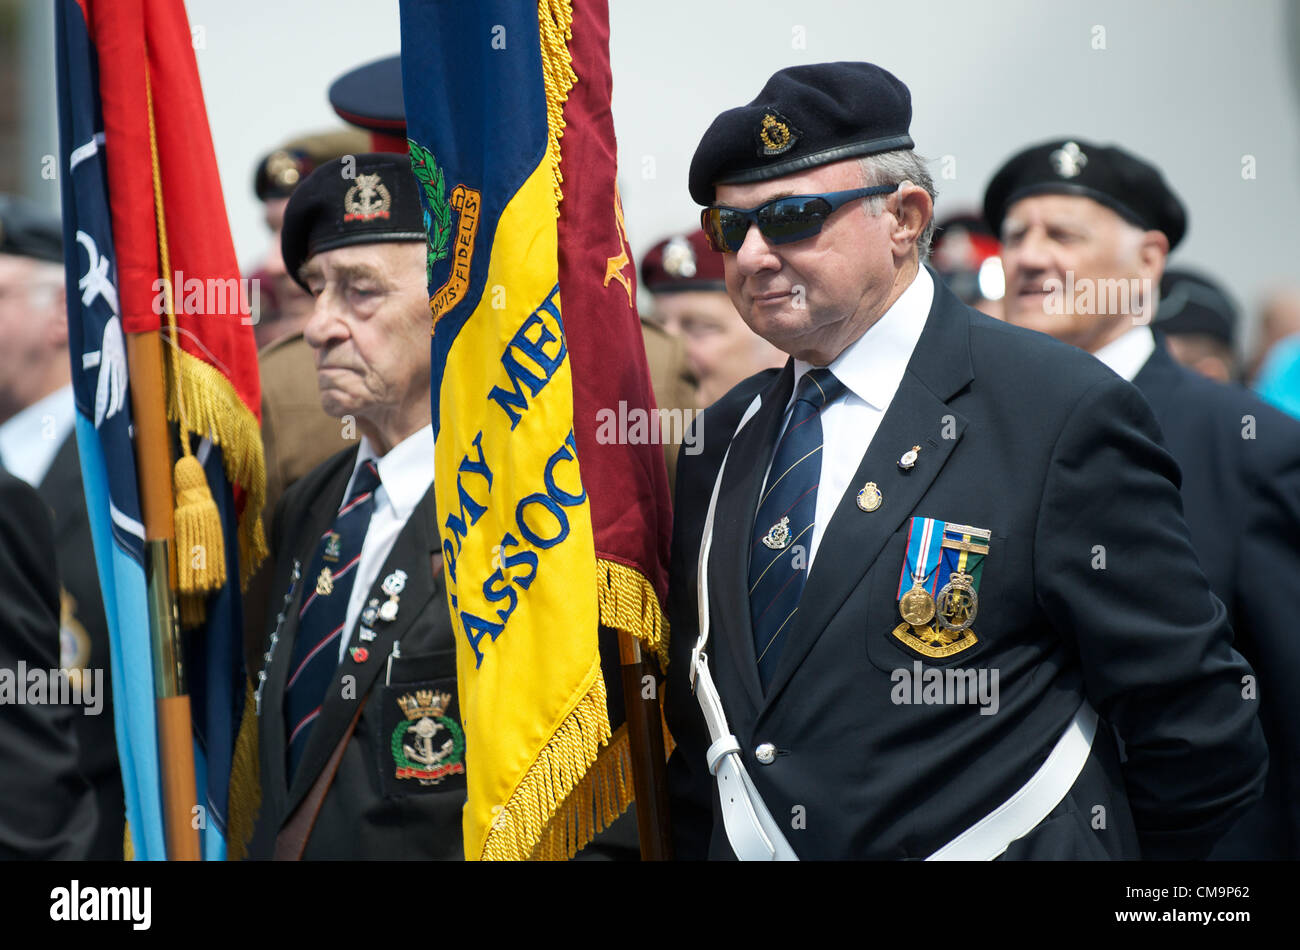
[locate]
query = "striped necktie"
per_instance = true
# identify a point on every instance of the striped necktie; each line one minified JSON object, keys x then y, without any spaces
{"x":323,"y":612}
{"x":778,"y":557}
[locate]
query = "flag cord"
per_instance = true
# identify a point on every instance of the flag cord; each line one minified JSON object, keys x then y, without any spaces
{"x":200,"y":546}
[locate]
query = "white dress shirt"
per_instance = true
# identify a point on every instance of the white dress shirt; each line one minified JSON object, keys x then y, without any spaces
{"x":30,"y":439}
{"x":871,"y":369}
{"x":1128,"y":353}
{"x":405,"y":475}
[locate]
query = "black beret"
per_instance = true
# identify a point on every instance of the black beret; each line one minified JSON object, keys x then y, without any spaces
{"x":28,"y":230}
{"x":359,"y":199}
{"x":683,"y":262}
{"x":1132,"y":188}
{"x":1192,"y":303}
{"x":371,"y":96}
{"x":280,"y":171}
{"x":805,"y":116}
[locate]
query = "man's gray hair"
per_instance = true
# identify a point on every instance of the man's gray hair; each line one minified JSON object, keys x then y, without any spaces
{"x":900,"y":165}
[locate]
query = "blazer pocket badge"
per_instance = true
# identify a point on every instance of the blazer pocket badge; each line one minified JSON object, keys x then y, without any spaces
{"x":424,"y":745}
{"x":938,"y":589}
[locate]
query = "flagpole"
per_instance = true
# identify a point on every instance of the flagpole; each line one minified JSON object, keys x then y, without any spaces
{"x":153,"y":460}
{"x":646,"y":744}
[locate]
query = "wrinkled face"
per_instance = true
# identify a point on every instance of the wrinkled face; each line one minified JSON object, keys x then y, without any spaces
{"x":33,"y":328}
{"x":1052,"y":243}
{"x":370,"y":328}
{"x":720,"y":349}
{"x":814,"y":297}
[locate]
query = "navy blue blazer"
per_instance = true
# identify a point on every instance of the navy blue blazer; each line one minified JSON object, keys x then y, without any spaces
{"x":1091,"y":589}
{"x":1240,"y":461}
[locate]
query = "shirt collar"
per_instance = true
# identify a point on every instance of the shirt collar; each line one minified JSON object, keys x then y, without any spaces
{"x":1129,"y":352}
{"x":405,"y":473}
{"x":30,"y":439}
{"x":872,"y":366}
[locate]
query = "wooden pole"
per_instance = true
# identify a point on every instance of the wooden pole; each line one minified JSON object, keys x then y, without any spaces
{"x":154,"y":467}
{"x":646,"y":741}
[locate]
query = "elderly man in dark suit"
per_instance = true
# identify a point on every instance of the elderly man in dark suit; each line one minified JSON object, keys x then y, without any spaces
{"x":362,"y":753}
{"x":919,"y":573}
{"x":1086,"y":230}
{"x":37,"y":445}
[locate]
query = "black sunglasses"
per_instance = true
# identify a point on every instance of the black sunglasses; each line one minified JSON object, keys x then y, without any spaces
{"x":781,"y":220}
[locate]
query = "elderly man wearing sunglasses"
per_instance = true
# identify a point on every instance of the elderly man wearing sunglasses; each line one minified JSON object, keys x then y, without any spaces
{"x":924,"y":575}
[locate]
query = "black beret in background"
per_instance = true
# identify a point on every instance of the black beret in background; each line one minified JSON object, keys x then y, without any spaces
{"x":1193,"y":303}
{"x":281,"y":170}
{"x":805,"y":116}
{"x":371,"y":96}
{"x":683,"y":262}
{"x":1129,"y":186}
{"x":28,"y":230}
{"x":370,"y":199}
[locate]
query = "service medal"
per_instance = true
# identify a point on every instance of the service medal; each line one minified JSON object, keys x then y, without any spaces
{"x":957,"y":603}
{"x":917,"y":606}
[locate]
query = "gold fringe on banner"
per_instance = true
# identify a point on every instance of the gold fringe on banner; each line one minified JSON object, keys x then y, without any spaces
{"x":544,"y":796}
{"x":600,"y":797}
{"x":628,"y":602}
{"x":245,"y":783}
{"x":555,"y":20}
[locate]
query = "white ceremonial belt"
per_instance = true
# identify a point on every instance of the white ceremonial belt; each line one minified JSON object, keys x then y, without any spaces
{"x":753,"y":833}
{"x":1022,"y":812}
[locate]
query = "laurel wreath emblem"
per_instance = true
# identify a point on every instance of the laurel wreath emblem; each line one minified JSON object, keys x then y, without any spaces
{"x":437,"y":216}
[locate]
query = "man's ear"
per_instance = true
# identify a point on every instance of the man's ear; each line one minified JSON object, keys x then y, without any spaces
{"x":915,"y":209}
{"x":57,"y":318}
{"x":1152,"y":252}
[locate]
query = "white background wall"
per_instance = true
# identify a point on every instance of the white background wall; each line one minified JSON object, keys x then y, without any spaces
{"x":1193,"y":85}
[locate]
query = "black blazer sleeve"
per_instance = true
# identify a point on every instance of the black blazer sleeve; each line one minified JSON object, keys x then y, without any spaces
{"x":47,"y":809}
{"x":1116,"y":574}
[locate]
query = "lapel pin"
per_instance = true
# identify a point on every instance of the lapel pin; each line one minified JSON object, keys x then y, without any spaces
{"x":778,"y":536}
{"x":395,"y":582}
{"x":369,"y":615}
{"x":359,"y":654}
{"x":908,"y":458}
{"x":869,"y":498}
{"x":367,"y":634}
{"x":388,"y":610}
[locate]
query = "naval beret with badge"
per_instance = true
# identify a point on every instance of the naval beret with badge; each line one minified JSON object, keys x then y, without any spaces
{"x":683,"y":262}
{"x":1132,"y":188}
{"x":28,"y":230}
{"x":360,"y":199}
{"x":805,"y":116}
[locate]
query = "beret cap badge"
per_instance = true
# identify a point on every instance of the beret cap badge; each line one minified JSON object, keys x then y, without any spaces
{"x":366,"y":200}
{"x":679,"y":258}
{"x":775,"y":134}
{"x":1068,"y":160}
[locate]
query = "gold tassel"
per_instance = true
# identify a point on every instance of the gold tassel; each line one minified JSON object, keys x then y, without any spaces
{"x":245,"y":793}
{"x":200,"y":549}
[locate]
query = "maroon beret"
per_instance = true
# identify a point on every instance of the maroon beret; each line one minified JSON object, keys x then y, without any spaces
{"x":682,"y":262}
